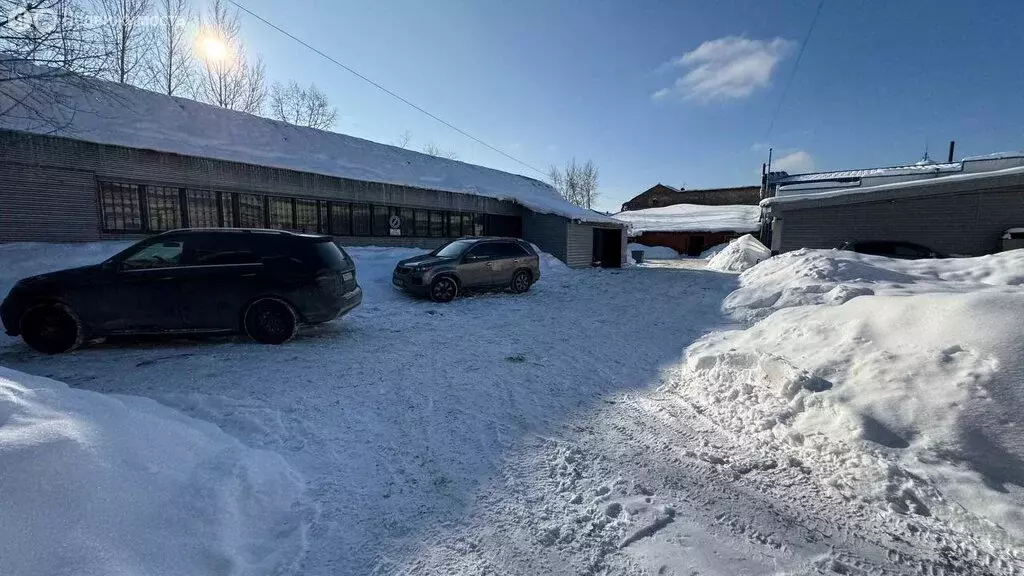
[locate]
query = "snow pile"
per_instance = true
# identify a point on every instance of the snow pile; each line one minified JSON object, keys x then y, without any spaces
{"x":118,"y":485}
{"x":805,"y":277}
{"x":652,"y":252}
{"x":692,"y":218}
{"x":896,"y":382}
{"x":108,"y":113}
{"x":740,"y":254}
{"x":711,"y":252}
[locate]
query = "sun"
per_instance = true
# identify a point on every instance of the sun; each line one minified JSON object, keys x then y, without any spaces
{"x":212,"y":47}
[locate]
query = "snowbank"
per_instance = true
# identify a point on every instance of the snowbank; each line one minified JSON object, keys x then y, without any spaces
{"x":740,"y":254}
{"x":805,"y":277}
{"x":898,"y":382}
{"x":109,"y":113}
{"x":692,"y":218}
{"x":651,"y":252}
{"x":118,"y":485}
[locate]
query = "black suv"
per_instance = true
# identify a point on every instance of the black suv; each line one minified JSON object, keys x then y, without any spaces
{"x":469,"y":263}
{"x":260,"y":282}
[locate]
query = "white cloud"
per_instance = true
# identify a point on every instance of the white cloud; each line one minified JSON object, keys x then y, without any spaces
{"x":794,"y":163}
{"x":727,"y":68}
{"x":658,"y":95}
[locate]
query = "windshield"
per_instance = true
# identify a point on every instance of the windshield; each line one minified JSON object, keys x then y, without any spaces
{"x":454,"y":249}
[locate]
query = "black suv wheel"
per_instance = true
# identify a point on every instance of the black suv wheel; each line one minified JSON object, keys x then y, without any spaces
{"x":51,"y":328}
{"x":521,"y":281}
{"x":271,"y":321}
{"x":443,"y":289}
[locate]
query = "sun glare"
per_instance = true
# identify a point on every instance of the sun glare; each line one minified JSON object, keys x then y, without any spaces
{"x":212,"y":48}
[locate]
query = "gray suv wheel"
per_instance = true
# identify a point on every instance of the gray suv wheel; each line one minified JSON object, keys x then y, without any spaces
{"x":443,"y":289}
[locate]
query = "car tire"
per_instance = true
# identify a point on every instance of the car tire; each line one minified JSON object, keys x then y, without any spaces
{"x":444,"y":289}
{"x":270,"y":321}
{"x":51,"y":328}
{"x":521,"y":281}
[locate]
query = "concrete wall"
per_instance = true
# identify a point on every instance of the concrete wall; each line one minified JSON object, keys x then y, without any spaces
{"x":969,"y":223}
{"x":41,"y":204}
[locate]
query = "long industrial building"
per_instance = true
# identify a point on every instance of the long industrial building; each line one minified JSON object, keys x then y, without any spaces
{"x":112,"y":161}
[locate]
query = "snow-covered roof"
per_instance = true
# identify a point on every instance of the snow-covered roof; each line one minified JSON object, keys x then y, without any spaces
{"x":922,"y":169}
{"x":692,"y":218}
{"x":106,"y":113}
{"x":948,"y":185}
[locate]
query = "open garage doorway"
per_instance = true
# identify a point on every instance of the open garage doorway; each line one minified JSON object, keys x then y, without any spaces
{"x":608,"y":247}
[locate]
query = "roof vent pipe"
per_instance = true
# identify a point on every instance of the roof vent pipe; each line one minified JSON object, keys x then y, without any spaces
{"x":952,"y":145}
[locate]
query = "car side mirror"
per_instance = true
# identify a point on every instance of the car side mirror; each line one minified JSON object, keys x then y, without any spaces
{"x":109,"y":266}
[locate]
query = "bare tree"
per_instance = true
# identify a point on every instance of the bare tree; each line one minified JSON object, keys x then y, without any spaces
{"x":302,"y":106}
{"x":127,"y":38}
{"x":228,"y":79}
{"x":435,"y":150}
{"x":577,"y":183}
{"x":171,"y":68}
{"x":403,"y":140}
{"x":46,"y":48}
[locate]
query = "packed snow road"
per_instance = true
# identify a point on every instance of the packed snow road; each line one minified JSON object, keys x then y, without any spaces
{"x":399,"y":413}
{"x":821,"y":414}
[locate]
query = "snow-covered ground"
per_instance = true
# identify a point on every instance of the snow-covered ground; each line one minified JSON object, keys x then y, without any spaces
{"x":823,"y":413}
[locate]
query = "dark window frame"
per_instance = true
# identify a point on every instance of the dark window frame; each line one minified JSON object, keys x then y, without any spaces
{"x":117,"y":193}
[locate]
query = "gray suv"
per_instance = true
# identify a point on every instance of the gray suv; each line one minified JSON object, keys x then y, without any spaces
{"x":469,"y":263}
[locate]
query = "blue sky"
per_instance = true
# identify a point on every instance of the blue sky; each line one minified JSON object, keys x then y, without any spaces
{"x":671,"y":91}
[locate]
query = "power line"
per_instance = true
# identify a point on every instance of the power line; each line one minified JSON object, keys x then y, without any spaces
{"x":382,"y":88}
{"x":796,"y":65}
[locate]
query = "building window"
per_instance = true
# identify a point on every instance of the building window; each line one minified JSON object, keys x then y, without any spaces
{"x":468,"y":228}
{"x":341,"y":219}
{"x":305,"y":215}
{"x":361,"y":220}
{"x":122,"y":208}
{"x":408,"y":216}
{"x":279,"y":213}
{"x":322,"y":216}
{"x":250,"y":211}
{"x":422,"y":223}
{"x":380,"y":221}
{"x":163,"y":208}
{"x":202,"y":209}
{"x":437,"y":224}
{"x":227,"y":211}
{"x":478,"y":225}
{"x":454,"y":225}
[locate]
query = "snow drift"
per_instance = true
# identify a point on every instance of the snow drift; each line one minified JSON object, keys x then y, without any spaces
{"x":740,"y":254}
{"x":118,"y":485}
{"x":651,"y":252}
{"x":898,"y":382}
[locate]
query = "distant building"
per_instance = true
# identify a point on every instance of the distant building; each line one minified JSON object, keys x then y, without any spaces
{"x":126,"y":162}
{"x":959,"y":208}
{"x":660,"y":195}
{"x":690,"y":228}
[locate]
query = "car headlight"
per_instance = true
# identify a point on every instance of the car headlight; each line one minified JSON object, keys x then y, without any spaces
{"x":422,"y":270}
